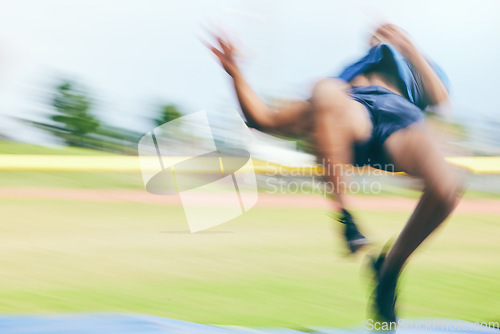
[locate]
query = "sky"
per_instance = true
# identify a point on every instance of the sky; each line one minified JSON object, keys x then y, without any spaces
{"x":132,"y":55}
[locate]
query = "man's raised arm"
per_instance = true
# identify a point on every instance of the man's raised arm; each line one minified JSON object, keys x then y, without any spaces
{"x":435,"y":90}
{"x":258,"y":114}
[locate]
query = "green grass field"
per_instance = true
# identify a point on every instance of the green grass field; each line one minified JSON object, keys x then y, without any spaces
{"x":269,"y":267}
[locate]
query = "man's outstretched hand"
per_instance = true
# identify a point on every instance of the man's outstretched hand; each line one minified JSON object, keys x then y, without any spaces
{"x":226,"y":55}
{"x":392,"y":34}
{"x":435,"y":90}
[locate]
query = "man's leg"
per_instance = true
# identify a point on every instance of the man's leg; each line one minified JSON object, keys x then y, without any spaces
{"x":414,"y":152}
{"x":339,"y":121}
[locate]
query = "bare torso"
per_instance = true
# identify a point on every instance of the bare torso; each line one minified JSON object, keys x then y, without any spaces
{"x":379,"y":78}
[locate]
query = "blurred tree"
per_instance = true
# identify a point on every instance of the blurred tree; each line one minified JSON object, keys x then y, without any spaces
{"x":168,"y":113}
{"x":73,"y":117}
{"x":76,"y":126}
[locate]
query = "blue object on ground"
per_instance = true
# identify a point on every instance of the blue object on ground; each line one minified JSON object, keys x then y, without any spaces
{"x":129,"y":323}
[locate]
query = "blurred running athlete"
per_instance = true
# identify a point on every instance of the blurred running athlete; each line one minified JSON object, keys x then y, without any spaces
{"x":372,"y":114}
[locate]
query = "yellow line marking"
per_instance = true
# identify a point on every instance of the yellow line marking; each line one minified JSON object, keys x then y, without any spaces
{"x":83,"y":163}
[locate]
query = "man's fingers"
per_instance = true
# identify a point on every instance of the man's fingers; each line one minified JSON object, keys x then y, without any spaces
{"x":225,"y":45}
{"x":212,"y":48}
{"x":231,"y":46}
{"x":204,"y":42}
{"x":383,"y":31}
{"x":390,"y":31}
{"x":385,"y":34}
{"x":391,"y":27}
{"x":388,"y":26}
{"x":207,"y":44}
{"x":218,"y":53}
{"x":216,"y":36}
{"x":221,"y":31}
{"x":219,"y":34}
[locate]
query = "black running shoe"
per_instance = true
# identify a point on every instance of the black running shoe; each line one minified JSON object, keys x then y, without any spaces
{"x":384,"y":296}
{"x":354,"y":239}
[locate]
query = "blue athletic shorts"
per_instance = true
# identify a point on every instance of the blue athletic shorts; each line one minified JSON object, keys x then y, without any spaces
{"x":389,"y":112}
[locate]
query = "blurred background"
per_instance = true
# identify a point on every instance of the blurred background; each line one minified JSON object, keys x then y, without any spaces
{"x":90,"y":78}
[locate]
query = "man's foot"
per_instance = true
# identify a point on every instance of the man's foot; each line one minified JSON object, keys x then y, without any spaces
{"x":354,"y":239}
{"x":384,"y":296}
